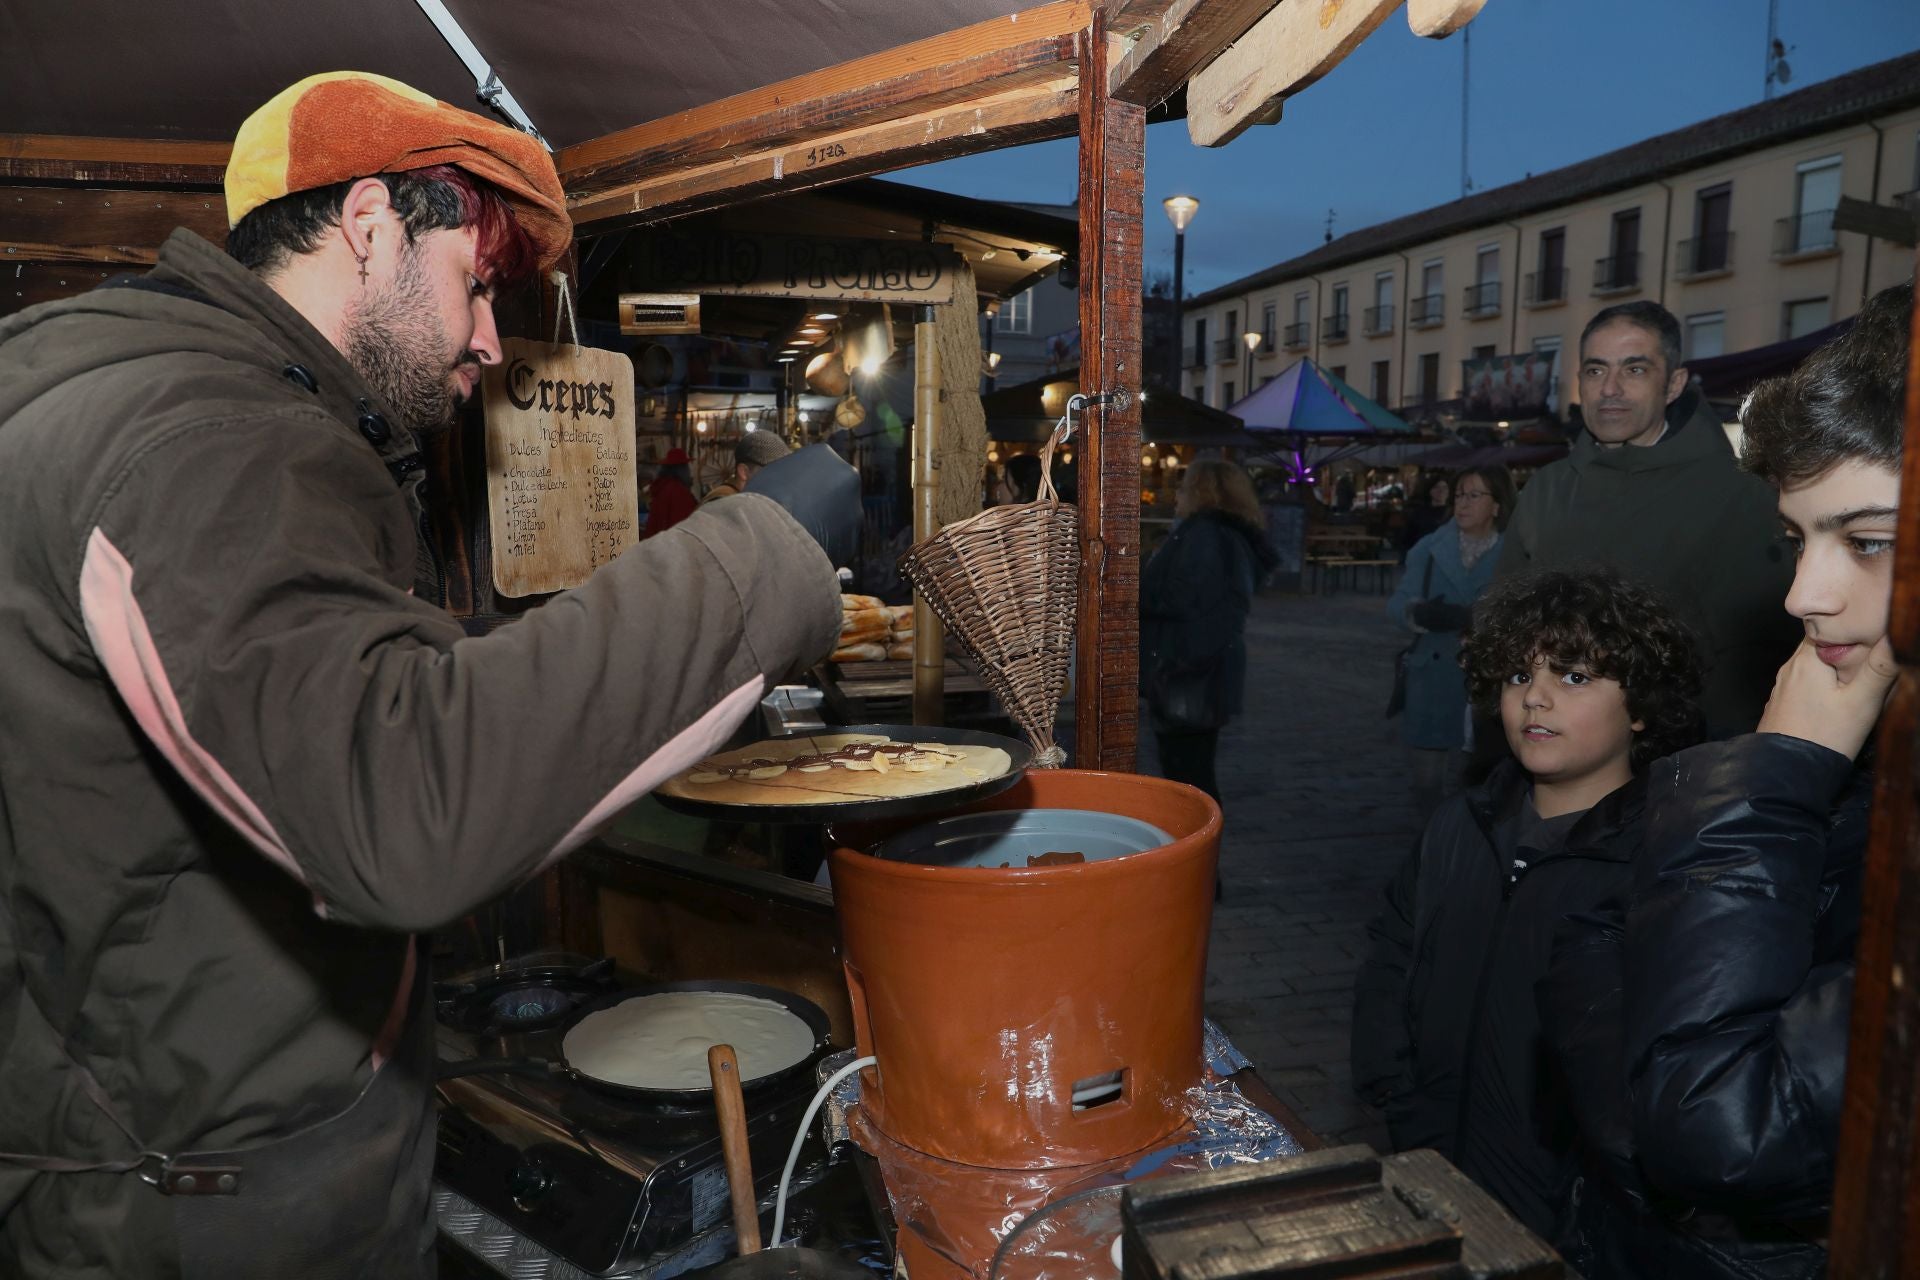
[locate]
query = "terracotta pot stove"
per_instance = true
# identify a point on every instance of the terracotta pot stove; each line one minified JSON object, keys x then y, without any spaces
{"x":1033,"y":1017}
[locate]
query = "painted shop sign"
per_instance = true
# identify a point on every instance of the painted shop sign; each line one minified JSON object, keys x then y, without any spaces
{"x":561,"y":487}
{"x":774,"y":266}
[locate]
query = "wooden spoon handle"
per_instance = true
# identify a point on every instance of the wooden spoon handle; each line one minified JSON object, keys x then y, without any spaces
{"x":732,"y":1109}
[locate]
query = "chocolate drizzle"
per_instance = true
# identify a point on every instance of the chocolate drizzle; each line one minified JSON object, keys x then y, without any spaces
{"x":854,"y":753}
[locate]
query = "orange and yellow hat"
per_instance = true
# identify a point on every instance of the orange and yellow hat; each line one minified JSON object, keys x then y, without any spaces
{"x":342,"y":125}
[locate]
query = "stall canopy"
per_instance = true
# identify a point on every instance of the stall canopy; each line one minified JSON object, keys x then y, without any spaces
{"x":580,"y":70}
{"x":1731,"y":376}
{"x":1457,"y":457}
{"x":1309,"y":402}
{"x":1027,"y":412}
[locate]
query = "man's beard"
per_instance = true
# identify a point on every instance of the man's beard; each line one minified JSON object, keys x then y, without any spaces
{"x":397,"y":342}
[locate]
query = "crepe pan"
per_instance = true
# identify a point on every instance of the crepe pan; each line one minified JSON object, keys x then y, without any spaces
{"x":801,"y":1007}
{"x":1019,"y":756}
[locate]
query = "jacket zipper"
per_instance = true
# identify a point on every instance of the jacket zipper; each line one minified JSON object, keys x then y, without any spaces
{"x":1478,"y":1010}
{"x":1473,"y":1019}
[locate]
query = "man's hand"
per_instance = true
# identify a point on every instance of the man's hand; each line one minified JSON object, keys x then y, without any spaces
{"x":820,"y":491}
{"x":1812,"y":700}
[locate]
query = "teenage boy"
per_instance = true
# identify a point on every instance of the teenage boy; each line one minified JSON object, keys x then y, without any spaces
{"x":1592,"y":679}
{"x":1703,"y":1026}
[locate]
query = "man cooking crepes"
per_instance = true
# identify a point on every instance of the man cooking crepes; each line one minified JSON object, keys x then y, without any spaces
{"x":242,"y":764}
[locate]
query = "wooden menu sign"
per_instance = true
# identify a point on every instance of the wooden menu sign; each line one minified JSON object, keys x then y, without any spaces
{"x":777,"y":266}
{"x":561,"y":486}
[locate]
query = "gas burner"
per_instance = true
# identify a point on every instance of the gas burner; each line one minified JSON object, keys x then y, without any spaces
{"x":522,"y":997}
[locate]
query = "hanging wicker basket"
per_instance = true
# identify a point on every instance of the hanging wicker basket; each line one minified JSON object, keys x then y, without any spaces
{"x":1006,"y":585}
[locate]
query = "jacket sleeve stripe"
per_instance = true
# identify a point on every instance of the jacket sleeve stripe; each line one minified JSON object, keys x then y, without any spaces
{"x":397,"y":1013}
{"x":124,"y":644}
{"x":691,"y":745}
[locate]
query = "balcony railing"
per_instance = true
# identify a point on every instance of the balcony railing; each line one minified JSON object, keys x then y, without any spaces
{"x":1378,"y":320}
{"x":1225,"y":350}
{"x":1704,"y":256}
{"x":1190,"y":358}
{"x":1266,"y":343}
{"x":1425,"y":312}
{"x":1482,"y":299}
{"x":1333,"y":328}
{"x":1545,"y":288}
{"x":1804,"y":233}
{"x":1298,"y":336}
{"x":1618,"y":274}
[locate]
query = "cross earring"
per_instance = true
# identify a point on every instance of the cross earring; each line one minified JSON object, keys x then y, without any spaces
{"x":361,"y":259}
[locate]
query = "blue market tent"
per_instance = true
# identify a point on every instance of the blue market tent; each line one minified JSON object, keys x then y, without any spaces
{"x":1307,"y":401}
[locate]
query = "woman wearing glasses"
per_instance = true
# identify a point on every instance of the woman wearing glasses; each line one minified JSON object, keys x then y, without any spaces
{"x":1446,"y":572}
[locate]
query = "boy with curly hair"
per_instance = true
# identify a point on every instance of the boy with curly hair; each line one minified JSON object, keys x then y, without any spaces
{"x":1592,"y":678}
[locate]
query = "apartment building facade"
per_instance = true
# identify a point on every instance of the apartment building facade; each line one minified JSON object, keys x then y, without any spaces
{"x":1728,"y":223}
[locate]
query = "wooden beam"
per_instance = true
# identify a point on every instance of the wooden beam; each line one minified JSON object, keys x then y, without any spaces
{"x":1113,"y":152}
{"x":1436,"y":19}
{"x":40,"y":157}
{"x":1167,"y":41}
{"x":23,"y":284}
{"x":974,"y":62}
{"x":1028,"y":115}
{"x":1290,"y":48}
{"x":1875,"y":1227}
{"x":67,"y":224}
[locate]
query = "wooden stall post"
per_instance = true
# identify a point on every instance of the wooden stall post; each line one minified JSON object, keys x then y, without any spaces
{"x":929,"y":649}
{"x":1876,"y":1195}
{"x":1113,"y":153}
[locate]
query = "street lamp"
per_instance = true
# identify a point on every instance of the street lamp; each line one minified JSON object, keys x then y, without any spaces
{"x":1180,"y":211}
{"x":1252,"y":340}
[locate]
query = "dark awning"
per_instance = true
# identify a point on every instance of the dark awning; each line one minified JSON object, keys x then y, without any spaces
{"x":1730,"y":377}
{"x":1017,"y":415}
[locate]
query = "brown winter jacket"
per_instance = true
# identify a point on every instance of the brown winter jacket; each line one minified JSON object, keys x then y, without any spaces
{"x":240,"y":763}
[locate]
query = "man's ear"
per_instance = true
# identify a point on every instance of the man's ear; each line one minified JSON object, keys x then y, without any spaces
{"x":367,"y":207}
{"x":1677,"y":383}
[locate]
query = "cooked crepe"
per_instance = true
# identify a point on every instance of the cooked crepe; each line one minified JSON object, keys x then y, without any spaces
{"x":833,"y":768}
{"x":661,"y":1041}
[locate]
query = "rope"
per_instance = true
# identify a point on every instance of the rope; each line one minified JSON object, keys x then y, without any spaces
{"x":563,"y":304}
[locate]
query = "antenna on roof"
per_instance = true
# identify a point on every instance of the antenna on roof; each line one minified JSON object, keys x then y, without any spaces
{"x":1778,"y":72}
{"x":1466,"y":62}
{"x":1329,"y":239}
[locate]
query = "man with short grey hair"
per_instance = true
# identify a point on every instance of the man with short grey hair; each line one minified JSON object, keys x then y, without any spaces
{"x":754,"y":451}
{"x":1652,"y":488}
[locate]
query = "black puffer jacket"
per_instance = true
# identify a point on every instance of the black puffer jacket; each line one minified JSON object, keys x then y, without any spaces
{"x":1703,"y":1029}
{"x":1446,"y":1028}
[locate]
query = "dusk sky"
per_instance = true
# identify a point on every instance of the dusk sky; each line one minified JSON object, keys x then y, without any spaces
{"x":1553,"y":82}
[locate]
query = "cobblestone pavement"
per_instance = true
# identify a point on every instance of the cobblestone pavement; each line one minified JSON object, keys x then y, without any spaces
{"x":1313,"y":779}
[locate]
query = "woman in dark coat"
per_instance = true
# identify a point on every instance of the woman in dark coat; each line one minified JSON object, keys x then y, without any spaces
{"x":1702,"y":1022}
{"x":1194,"y":599}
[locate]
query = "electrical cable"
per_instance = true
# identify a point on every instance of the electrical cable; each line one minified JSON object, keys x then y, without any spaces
{"x":800,"y":1137}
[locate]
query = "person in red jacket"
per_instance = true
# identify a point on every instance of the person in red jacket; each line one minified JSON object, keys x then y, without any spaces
{"x":670,"y":497}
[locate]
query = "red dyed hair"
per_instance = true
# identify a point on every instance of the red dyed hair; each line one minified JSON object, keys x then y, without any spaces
{"x":502,"y":248}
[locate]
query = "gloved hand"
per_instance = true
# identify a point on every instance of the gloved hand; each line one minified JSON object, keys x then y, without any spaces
{"x":1438,"y":615}
{"x":820,"y":491}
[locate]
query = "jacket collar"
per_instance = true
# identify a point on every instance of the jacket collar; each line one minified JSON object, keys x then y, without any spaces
{"x":1497,"y":803}
{"x":1693,"y":435}
{"x":189,"y":263}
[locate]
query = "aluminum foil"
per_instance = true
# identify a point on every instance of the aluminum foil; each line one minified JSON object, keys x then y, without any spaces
{"x":1061,"y":1223}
